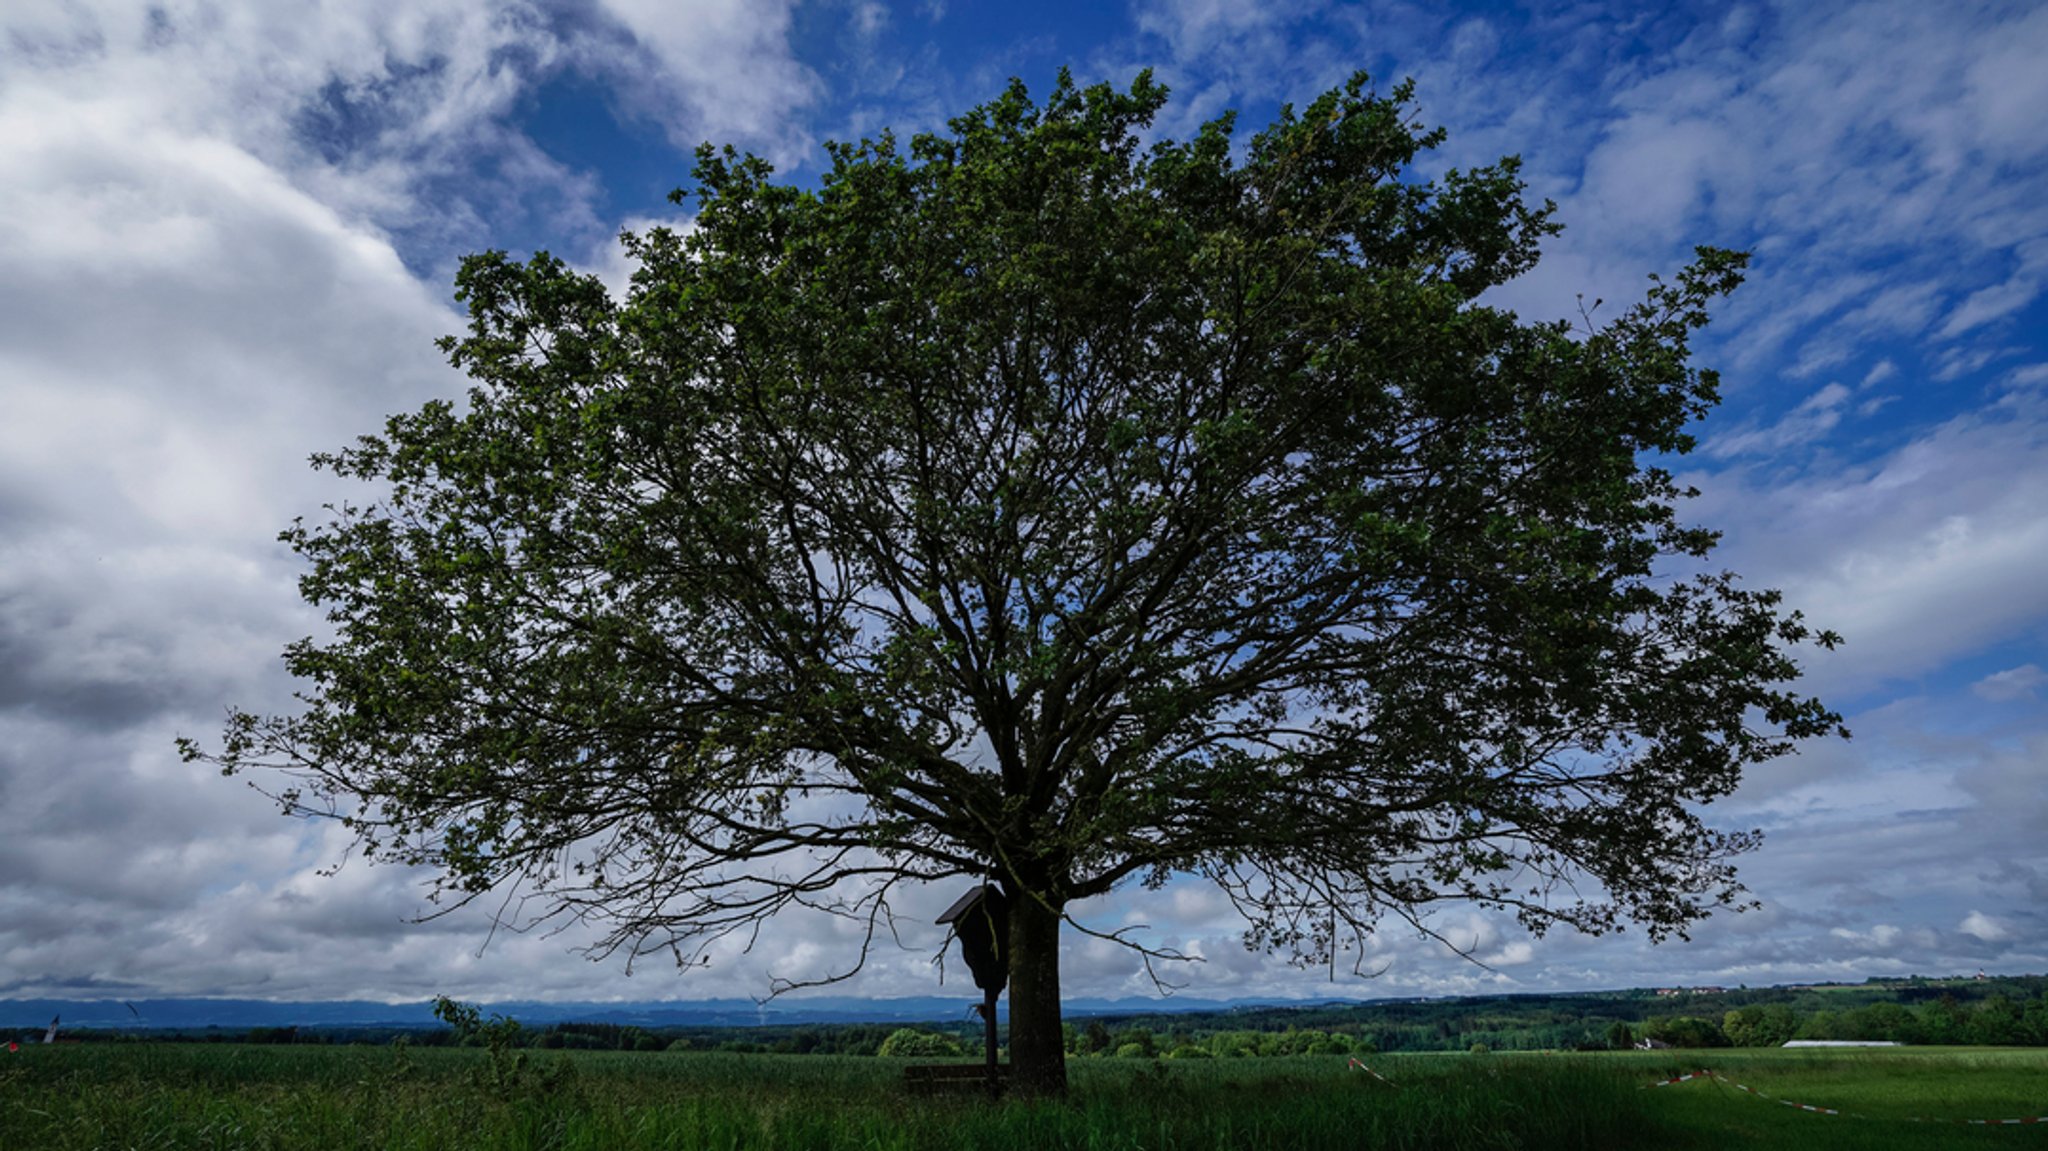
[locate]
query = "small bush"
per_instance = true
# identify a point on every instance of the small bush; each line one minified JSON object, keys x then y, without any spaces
{"x":1686,"y":1031}
{"x":911,"y":1043}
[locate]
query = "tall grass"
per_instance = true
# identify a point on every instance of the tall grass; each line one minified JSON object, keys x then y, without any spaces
{"x":284,"y":1098}
{"x":1908,"y":1097}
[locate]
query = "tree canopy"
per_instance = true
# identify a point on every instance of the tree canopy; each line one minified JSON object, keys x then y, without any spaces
{"x":1044,"y":504}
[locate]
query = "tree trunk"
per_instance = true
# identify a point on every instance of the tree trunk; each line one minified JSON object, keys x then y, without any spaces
{"x":988,"y":1034}
{"x":1038,"y":1054}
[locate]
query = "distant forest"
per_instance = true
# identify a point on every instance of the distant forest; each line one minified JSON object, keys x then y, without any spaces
{"x":1999,"y":1011}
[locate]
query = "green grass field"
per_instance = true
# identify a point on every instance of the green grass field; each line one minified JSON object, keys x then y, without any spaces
{"x":219,"y":1095}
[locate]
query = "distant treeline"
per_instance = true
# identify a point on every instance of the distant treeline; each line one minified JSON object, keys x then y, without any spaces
{"x":1997,"y":1011}
{"x":1994,"y":1020}
{"x":2009,"y":1011}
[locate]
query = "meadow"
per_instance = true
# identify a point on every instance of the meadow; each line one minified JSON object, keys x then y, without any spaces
{"x":285,"y":1097}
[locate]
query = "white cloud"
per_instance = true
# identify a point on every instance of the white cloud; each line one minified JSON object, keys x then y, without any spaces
{"x":1961,"y":360}
{"x":1218,"y":54}
{"x":1928,"y":595}
{"x":1653,"y":172}
{"x":1815,"y":416}
{"x":2011,"y":684}
{"x":1997,"y":301}
{"x":200,"y":217}
{"x":1827,"y":140}
{"x":1922,"y":555}
{"x":1194,"y":27}
{"x":1902,"y":310}
{"x":1516,"y":954}
{"x":1879,"y":372}
{"x":724,"y":70}
{"x":869,"y":18}
{"x":2007,"y":89}
{"x":1992,"y":303}
{"x":609,"y":261}
{"x":1882,"y":937}
{"x":1984,"y":927}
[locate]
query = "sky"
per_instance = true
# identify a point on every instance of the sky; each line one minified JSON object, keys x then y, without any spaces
{"x":228,"y":232}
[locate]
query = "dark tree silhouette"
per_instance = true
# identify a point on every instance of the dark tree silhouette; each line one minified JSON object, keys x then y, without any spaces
{"x":1045,"y":505}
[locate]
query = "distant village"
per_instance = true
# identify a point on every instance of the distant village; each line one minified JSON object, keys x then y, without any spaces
{"x":1894,"y":982}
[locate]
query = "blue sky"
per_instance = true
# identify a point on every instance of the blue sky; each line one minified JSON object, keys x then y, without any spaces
{"x":227,"y":233}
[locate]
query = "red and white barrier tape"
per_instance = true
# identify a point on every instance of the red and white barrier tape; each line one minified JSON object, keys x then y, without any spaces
{"x":1358,"y":1066}
{"x":1680,"y":1078}
{"x":1717,"y":1076}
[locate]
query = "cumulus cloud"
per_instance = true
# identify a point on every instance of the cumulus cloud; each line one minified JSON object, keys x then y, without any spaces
{"x":1983,"y":926}
{"x":211,"y":217}
{"x":723,"y":70}
{"x":1881,"y":937}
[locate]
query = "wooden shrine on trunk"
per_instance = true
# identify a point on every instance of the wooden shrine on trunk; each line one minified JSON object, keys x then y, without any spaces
{"x":980,"y":920}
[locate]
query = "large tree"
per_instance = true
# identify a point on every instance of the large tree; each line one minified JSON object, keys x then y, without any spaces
{"x":1045,"y":505}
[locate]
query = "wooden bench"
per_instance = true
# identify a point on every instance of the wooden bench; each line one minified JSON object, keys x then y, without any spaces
{"x":952,"y":1078}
